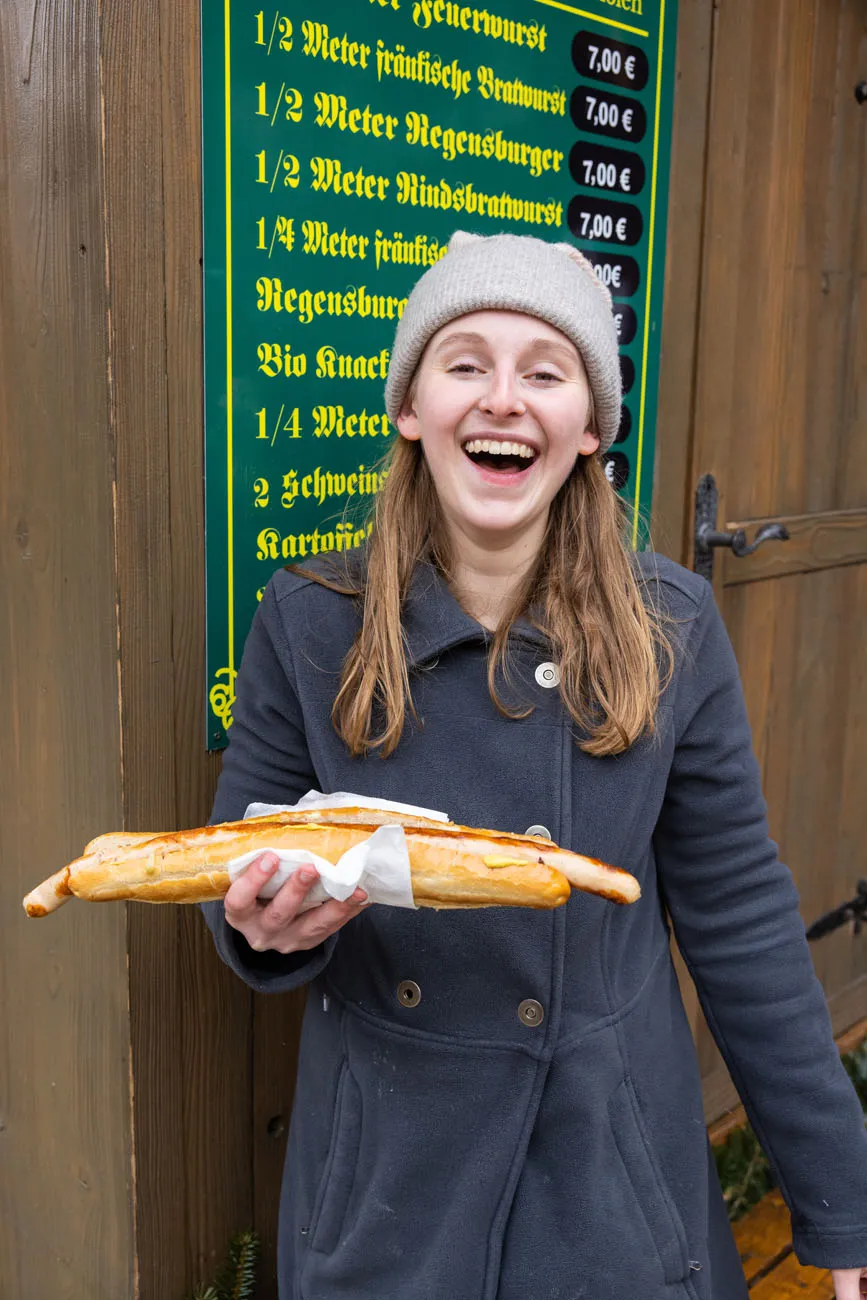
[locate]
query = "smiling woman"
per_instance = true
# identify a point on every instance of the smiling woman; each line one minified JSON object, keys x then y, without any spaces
{"x":508,"y":343}
{"x":508,"y":394}
{"x":512,"y":1106}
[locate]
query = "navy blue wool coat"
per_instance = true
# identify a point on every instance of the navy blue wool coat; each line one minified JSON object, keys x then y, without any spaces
{"x":452,"y":1151}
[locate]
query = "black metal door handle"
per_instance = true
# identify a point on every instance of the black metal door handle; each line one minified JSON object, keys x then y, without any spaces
{"x":708,"y":538}
{"x":855,"y":911}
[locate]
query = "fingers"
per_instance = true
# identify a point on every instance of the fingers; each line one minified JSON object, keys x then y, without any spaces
{"x":276,"y":925}
{"x":284,"y":906}
{"x":240,"y":901}
{"x":317,"y":925}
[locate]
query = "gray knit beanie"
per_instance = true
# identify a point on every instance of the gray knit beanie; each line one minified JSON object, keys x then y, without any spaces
{"x":554,"y":282}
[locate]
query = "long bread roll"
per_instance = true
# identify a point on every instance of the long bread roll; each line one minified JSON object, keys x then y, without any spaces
{"x":451,"y":866}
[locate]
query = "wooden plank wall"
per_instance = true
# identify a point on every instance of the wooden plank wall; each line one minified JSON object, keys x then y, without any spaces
{"x":107,"y":1069}
{"x":673,"y":487}
{"x":65,"y":1154}
{"x":780,"y":420}
{"x":190,"y":1019}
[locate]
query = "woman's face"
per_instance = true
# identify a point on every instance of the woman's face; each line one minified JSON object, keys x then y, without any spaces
{"x":501,"y":406}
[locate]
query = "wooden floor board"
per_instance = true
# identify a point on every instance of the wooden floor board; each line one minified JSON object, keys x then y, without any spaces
{"x":794,"y":1281}
{"x":764,"y":1241}
{"x":762,"y":1235}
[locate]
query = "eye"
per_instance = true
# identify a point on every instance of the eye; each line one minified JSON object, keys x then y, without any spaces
{"x":545,"y":376}
{"x":464,"y":368}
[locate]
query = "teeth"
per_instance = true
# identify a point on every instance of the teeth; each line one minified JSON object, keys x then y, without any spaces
{"x":500,"y":448}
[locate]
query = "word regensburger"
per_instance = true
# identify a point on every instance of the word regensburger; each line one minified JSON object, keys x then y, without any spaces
{"x":307,"y":304}
{"x":492,"y":144}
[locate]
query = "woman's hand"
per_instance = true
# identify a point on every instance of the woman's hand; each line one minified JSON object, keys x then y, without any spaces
{"x":849,"y":1283}
{"x":275,"y":925}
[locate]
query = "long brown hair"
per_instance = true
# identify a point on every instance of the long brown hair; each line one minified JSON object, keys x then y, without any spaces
{"x":609,"y":642}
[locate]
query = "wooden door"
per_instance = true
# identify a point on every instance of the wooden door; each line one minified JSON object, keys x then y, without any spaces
{"x":780,"y":420}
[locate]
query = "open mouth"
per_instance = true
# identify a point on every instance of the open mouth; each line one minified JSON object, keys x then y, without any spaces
{"x":501,"y":456}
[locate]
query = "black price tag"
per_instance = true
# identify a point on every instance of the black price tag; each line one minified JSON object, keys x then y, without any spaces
{"x":626,"y":322}
{"x":616,"y":469}
{"x":618,"y":272}
{"x":602,"y":113}
{"x":604,"y":221}
{"x":600,"y":167}
{"x":604,"y":59}
{"x":625,"y":424}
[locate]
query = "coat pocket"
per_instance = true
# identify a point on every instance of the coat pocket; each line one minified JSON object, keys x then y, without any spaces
{"x":655,"y":1203}
{"x":338,"y":1175}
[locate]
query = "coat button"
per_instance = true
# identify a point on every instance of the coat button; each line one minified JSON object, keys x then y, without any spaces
{"x":408,"y":993}
{"x":531,"y":1012}
{"x":548,"y":675}
{"x":541,"y":831}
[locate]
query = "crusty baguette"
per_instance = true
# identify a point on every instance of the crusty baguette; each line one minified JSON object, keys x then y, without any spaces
{"x":55,"y":891}
{"x":451,"y":866}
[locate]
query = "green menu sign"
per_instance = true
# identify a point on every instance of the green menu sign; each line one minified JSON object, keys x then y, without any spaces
{"x":344,"y":141}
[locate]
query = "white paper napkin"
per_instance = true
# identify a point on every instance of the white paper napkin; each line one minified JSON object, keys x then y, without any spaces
{"x":315,"y":799}
{"x":379,"y":864}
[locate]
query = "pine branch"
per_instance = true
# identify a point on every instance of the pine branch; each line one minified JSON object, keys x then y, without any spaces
{"x":243,"y":1250}
{"x":236,"y":1279}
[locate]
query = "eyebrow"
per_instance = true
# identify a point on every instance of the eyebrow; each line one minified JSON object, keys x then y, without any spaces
{"x":464,"y":336}
{"x":536,"y":344}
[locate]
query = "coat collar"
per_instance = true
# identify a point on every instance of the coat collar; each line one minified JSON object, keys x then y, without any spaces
{"x":434,"y":622}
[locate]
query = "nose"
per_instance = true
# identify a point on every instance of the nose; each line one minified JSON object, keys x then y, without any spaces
{"x":502,"y":396}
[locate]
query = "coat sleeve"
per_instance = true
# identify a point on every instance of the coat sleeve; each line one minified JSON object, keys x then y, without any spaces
{"x":267,"y":761}
{"x":734,"y":908}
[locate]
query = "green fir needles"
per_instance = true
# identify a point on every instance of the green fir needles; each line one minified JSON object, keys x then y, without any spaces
{"x":237,"y":1278}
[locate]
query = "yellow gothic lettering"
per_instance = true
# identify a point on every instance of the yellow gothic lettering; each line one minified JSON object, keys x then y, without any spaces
{"x":271,"y":544}
{"x":481,"y":22}
{"x":423,"y":67}
{"x":319,"y":43}
{"x":330,"y":175}
{"x":418,"y":192}
{"x":322,"y":485}
{"x":318,"y":238}
{"x":333,"y":365}
{"x":448,"y":142}
{"x":519,"y":93}
{"x":333,"y":421}
{"x":333,"y":110}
